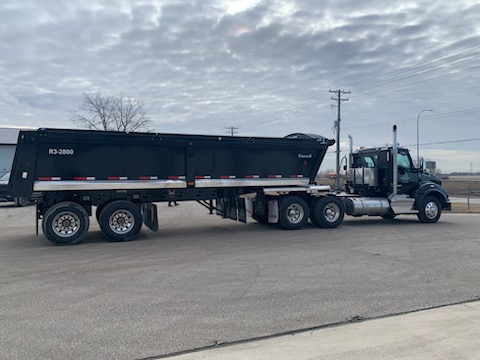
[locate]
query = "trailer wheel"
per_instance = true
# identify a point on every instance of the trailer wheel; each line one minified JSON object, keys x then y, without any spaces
{"x":429,"y":210}
{"x":328,"y":212}
{"x":120,"y":220}
{"x":293,"y":213}
{"x":65,"y":223}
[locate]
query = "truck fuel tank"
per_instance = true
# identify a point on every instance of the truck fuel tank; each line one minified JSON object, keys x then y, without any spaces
{"x":358,"y":206}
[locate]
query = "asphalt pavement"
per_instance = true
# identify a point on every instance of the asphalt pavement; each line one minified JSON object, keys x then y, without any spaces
{"x":203,"y":281}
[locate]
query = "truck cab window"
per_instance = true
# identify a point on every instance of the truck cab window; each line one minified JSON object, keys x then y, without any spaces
{"x":403,"y":160}
{"x":368,"y":162}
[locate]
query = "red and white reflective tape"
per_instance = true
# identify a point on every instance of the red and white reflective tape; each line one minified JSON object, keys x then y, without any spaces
{"x":296,"y":176}
{"x":49,"y":178}
{"x":117,"y":178}
{"x":84,"y":178}
{"x":274,"y":176}
{"x":252,"y":176}
{"x":176,"y":178}
{"x":228,"y":177}
{"x":148,"y":178}
{"x":203,"y":177}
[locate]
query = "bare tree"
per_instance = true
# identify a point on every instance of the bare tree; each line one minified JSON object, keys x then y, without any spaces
{"x":110,"y":112}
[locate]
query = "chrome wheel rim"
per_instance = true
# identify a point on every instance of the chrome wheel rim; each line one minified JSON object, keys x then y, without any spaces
{"x":121,"y":221}
{"x":331,"y":212}
{"x":66,"y":224}
{"x":295,"y":213}
{"x":431,"y":210}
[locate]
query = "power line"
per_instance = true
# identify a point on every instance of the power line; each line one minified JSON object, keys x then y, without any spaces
{"x":441,"y":63}
{"x":425,"y":118}
{"x":447,"y":142}
{"x":393,"y":74}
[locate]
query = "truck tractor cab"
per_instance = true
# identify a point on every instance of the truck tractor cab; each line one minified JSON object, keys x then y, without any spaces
{"x":385,"y":182}
{"x":371,"y":173}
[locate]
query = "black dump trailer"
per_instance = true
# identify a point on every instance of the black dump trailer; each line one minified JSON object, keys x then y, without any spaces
{"x":120,"y":176}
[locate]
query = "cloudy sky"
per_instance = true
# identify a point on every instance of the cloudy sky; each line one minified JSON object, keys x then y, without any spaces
{"x":265,"y":67}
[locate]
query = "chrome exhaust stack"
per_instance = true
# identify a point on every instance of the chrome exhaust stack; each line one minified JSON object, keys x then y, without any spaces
{"x":394,"y":160}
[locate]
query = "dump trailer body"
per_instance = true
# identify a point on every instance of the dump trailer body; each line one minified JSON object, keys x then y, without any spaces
{"x":49,"y":160}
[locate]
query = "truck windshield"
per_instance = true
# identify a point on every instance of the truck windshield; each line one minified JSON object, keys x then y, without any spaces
{"x":403,"y":160}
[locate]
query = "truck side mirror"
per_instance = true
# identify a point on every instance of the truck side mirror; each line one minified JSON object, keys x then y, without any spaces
{"x":421,"y":165}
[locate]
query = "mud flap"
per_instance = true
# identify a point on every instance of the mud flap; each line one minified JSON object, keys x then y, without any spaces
{"x":220,"y":207}
{"x":242,"y":210}
{"x":273,"y":211}
{"x":150,"y":216}
{"x":249,"y":207}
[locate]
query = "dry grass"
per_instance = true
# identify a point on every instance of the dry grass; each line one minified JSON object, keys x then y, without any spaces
{"x":463,"y":208}
{"x":456,"y":187}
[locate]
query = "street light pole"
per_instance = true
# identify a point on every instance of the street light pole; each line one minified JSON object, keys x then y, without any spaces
{"x":418,"y":146}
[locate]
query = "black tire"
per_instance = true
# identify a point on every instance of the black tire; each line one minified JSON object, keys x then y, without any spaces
{"x":65,"y":223}
{"x":120,"y":220}
{"x":328,"y":212}
{"x":429,"y":210}
{"x":293,"y":213}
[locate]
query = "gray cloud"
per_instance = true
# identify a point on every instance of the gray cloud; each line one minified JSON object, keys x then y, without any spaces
{"x":266,"y":68}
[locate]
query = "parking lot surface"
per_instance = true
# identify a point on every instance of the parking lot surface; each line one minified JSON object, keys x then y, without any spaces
{"x":202,"y":280}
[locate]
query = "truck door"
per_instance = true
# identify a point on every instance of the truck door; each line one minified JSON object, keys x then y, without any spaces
{"x":407,"y":174}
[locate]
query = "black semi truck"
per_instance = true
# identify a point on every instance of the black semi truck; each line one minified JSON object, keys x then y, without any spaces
{"x":120,"y":176}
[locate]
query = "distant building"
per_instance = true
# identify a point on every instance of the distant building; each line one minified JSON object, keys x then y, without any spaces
{"x":8,"y":142}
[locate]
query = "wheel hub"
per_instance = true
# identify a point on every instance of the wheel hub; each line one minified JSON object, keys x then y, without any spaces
{"x":65,"y":224}
{"x":431,"y":210}
{"x":332,"y":212}
{"x":121,"y":222}
{"x":295,"y":213}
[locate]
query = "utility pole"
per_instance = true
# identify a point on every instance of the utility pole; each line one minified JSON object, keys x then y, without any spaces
{"x":231,"y":130}
{"x":339,"y":100}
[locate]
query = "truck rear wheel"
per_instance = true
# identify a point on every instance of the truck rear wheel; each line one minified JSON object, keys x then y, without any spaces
{"x":327,"y":212}
{"x":120,"y":220}
{"x":293,"y":213}
{"x":65,"y":223}
{"x":429,"y":210}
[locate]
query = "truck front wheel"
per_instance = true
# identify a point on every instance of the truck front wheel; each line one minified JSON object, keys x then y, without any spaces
{"x":65,"y":223}
{"x":293,"y":213}
{"x":327,"y":212}
{"x":429,"y":210}
{"x":120,"y":220}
